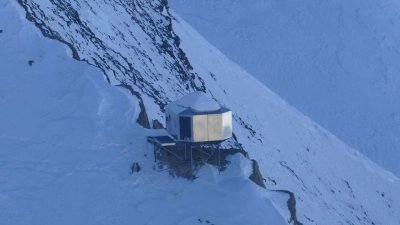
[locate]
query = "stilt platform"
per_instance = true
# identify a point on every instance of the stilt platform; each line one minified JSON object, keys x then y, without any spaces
{"x":184,"y":153}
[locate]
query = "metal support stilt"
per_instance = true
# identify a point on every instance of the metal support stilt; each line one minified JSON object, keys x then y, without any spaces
{"x":191,"y":161}
{"x":155,"y":156}
{"x":219,"y":160}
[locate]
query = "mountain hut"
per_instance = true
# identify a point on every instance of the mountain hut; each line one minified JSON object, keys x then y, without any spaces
{"x":198,"y":118}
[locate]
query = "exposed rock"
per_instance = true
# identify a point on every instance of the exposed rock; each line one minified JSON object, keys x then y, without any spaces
{"x":247,"y":155}
{"x":234,"y":137}
{"x":157,"y":125}
{"x":45,"y":32}
{"x":256,"y":176}
{"x":272,"y":180}
{"x":142,"y":119}
{"x":120,"y":62}
{"x":135,"y":167}
{"x":291,"y":204}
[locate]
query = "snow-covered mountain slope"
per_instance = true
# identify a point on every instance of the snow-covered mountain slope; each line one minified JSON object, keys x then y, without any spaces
{"x":129,"y":41}
{"x":333,"y":184}
{"x":68,"y":140}
{"x":335,"y":61}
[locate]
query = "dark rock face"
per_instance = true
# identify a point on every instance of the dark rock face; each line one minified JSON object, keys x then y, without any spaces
{"x":157,"y":125}
{"x":256,"y":176}
{"x":45,"y":29}
{"x":137,"y":48}
{"x":135,"y":167}
{"x":142,"y":119}
{"x":291,"y":204}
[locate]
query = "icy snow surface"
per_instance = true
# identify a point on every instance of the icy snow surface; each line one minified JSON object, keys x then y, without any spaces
{"x":335,"y":61}
{"x":198,"y":101}
{"x":68,"y":140}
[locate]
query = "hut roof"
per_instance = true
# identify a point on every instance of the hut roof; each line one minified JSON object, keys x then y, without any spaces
{"x":198,"y":101}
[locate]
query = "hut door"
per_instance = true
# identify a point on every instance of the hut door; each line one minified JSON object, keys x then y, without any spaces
{"x":185,"y":128}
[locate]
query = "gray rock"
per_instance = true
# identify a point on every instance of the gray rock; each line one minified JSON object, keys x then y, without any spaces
{"x":135,"y":167}
{"x":256,"y":176}
{"x":157,"y":125}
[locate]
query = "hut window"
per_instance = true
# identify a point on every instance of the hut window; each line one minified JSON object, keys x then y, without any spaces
{"x":185,"y":128}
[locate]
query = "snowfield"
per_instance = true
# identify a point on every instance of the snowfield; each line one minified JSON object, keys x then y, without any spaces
{"x":335,"y":61}
{"x":68,"y":139}
{"x":334,"y":184}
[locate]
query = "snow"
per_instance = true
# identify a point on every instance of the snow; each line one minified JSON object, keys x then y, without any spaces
{"x":198,"y":101}
{"x":128,"y":48}
{"x":333,"y":183}
{"x":71,"y":161}
{"x":68,"y":140}
{"x":335,"y":61}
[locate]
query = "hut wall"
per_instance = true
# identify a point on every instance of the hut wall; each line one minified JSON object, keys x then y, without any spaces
{"x":200,"y":128}
{"x":214,"y":127}
{"x":227,"y":125}
{"x":172,"y":122}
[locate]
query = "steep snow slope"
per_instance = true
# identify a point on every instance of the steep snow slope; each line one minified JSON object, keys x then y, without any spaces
{"x":67,"y":141}
{"x":335,"y":61}
{"x":333,"y":183}
{"x":136,"y":46}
